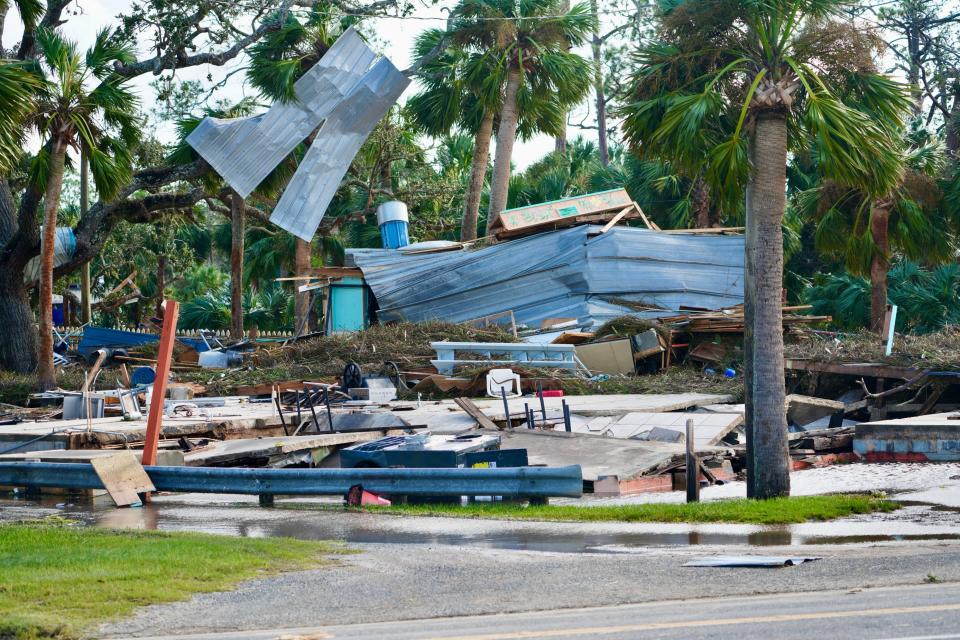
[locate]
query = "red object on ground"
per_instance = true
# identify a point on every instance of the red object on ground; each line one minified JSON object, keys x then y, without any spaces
{"x":372,"y":498}
{"x":164,"y":357}
{"x":552,"y":393}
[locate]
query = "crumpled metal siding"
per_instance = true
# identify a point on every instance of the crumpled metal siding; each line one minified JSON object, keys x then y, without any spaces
{"x":245,"y":150}
{"x":306,"y":198}
{"x":566,"y":273}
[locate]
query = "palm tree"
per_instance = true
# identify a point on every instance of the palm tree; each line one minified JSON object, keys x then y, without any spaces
{"x":464,"y":90}
{"x":733,"y":85}
{"x":913,"y":219}
{"x":530,"y":40}
{"x":86,"y":106}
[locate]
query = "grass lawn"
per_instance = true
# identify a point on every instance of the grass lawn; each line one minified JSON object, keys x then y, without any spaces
{"x":60,"y":581}
{"x":776,"y":511}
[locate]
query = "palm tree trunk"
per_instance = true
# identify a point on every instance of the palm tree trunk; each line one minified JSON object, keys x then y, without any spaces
{"x":764,"y":262}
{"x":506,"y":136}
{"x":879,"y":262}
{"x":46,"y":376}
{"x":478,"y":173}
{"x":236,"y":265}
{"x":85,"y":302}
{"x":301,"y":261}
{"x":602,"y":146}
{"x":560,"y":142}
{"x":701,"y":202}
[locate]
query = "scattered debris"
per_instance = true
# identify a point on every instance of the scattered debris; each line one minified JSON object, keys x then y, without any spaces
{"x":749,"y":561}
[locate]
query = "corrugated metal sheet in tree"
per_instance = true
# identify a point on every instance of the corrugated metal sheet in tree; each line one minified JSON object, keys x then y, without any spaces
{"x":305,"y":200}
{"x":570,"y":273}
{"x":245,"y":150}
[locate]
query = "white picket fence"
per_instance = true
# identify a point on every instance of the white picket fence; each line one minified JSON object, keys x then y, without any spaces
{"x":220,"y":333}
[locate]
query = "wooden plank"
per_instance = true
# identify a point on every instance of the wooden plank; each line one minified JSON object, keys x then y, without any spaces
{"x":616,"y":219}
{"x":164,"y":357}
{"x":122,"y":477}
{"x":869,"y":369}
{"x":237,"y":450}
{"x":475,"y":412}
{"x":564,"y":209}
{"x":646,"y":220}
{"x":336,"y":272}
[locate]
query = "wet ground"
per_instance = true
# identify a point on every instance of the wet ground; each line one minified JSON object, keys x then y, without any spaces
{"x":930,"y":493}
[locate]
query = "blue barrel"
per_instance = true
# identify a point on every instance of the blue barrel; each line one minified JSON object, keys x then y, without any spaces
{"x":393,"y":220}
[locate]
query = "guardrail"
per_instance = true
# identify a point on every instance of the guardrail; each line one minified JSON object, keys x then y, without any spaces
{"x":514,"y":482}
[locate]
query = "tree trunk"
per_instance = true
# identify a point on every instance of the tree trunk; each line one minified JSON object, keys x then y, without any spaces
{"x":506,"y":136}
{"x":602,"y":148}
{"x":879,"y":262}
{"x":161,"y":284}
{"x":478,"y":173}
{"x":236,"y":265}
{"x":701,"y":202}
{"x":952,"y":137}
{"x":18,"y":348}
{"x":767,"y":417}
{"x":86,"y":307}
{"x":46,"y":375}
{"x":301,"y":263}
{"x":560,"y":142}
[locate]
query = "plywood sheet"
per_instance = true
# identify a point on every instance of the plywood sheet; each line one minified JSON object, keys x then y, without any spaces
{"x":123,"y":477}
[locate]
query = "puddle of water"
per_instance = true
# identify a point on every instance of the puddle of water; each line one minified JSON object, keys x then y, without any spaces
{"x":216,"y":514}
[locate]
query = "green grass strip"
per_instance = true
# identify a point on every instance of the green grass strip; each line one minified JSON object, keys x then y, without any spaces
{"x":775,"y":511}
{"x":61,"y":581}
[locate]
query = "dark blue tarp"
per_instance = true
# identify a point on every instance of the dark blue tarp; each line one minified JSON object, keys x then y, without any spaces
{"x":570,"y":273}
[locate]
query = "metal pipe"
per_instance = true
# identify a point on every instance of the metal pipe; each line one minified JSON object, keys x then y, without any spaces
{"x":567,"y":426}
{"x":500,"y":481}
{"x":506,"y":407}
{"x":543,"y":405}
{"x":326,"y":400}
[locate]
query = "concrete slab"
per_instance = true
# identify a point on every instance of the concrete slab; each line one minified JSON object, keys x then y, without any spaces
{"x":598,"y":456}
{"x":709,"y":428}
{"x":444,"y":416}
{"x":934,"y":437}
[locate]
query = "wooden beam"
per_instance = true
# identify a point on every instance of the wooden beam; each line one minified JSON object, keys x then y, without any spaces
{"x":615,"y":219}
{"x":164,"y":358}
{"x":476,"y":413}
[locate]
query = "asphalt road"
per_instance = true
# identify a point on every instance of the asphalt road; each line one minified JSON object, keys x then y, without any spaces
{"x":391,"y":582}
{"x":920,"y":612}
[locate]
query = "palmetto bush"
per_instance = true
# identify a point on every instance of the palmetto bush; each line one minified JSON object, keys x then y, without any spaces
{"x":927,"y":299}
{"x":269,"y":309}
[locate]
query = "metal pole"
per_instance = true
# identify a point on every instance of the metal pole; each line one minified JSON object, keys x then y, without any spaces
{"x":326,"y":400}
{"x":566,"y":417}
{"x":693,"y":467}
{"x":506,"y":407}
{"x":543,"y":406}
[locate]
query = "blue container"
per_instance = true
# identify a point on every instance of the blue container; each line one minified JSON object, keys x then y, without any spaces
{"x":393,"y":220}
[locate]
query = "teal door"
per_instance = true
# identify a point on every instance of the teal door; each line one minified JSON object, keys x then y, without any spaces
{"x":348,"y":306}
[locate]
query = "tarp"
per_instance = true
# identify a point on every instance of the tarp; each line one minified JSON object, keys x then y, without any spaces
{"x":570,"y":273}
{"x":64,"y":246}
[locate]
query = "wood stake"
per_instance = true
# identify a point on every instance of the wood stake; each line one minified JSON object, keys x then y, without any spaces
{"x":164,"y":358}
